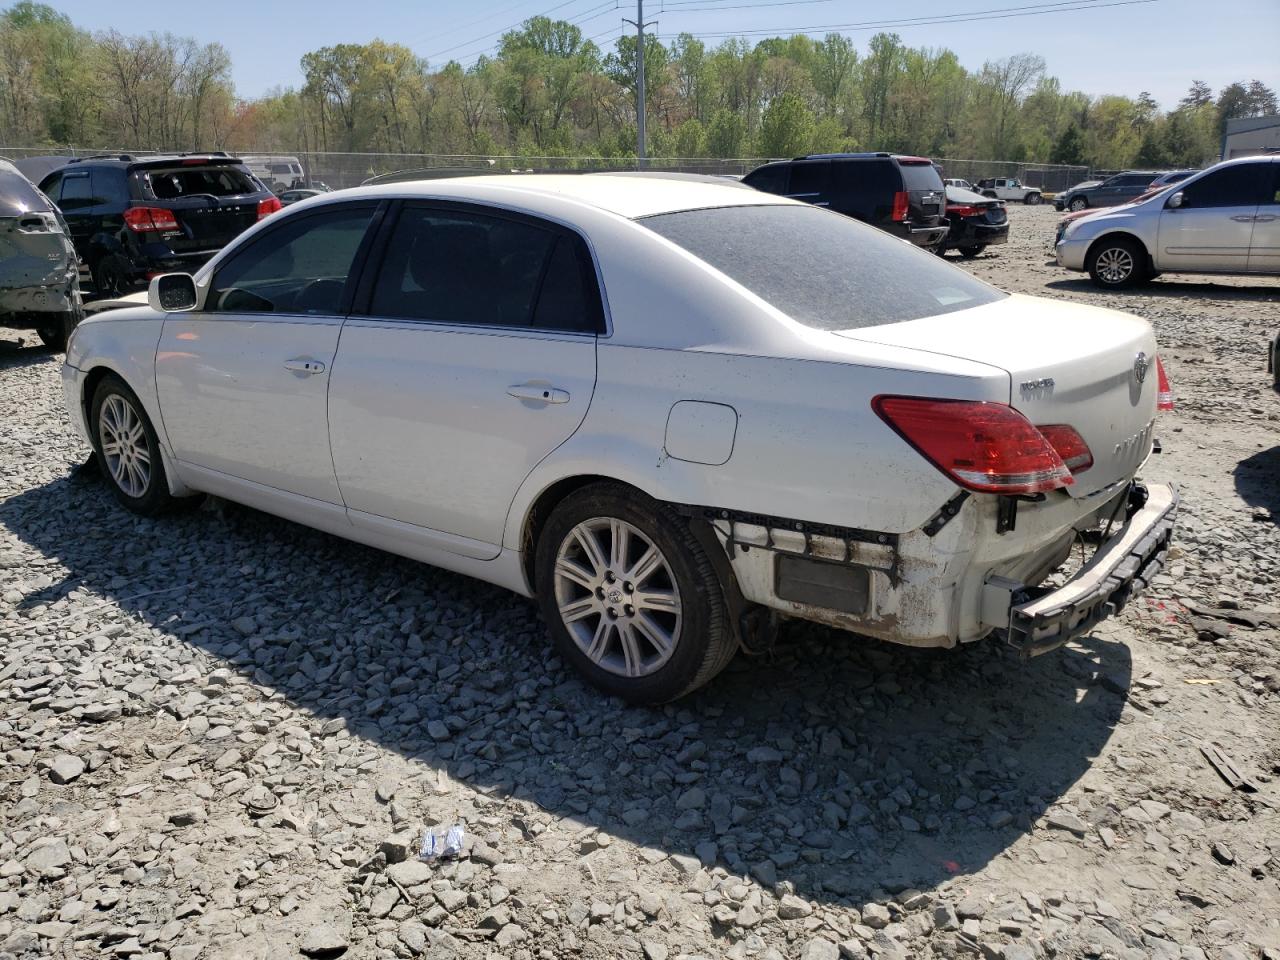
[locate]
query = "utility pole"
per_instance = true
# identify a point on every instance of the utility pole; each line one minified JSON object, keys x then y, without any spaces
{"x":639,"y":24}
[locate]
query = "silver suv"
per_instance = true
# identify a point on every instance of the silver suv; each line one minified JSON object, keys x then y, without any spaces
{"x":1222,"y":220}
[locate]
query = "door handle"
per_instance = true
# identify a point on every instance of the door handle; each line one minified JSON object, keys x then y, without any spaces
{"x":539,"y":392}
{"x":1244,"y":218}
{"x":304,"y":365}
{"x":1263,"y":218}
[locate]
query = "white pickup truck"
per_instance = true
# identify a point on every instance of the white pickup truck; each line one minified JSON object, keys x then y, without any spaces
{"x":1004,"y":188}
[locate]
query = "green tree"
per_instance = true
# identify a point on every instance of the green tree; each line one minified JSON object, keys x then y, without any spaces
{"x":726,"y":134}
{"x":1069,"y":147}
{"x":786,"y":129}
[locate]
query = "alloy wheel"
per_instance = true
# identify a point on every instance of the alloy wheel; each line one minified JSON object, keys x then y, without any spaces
{"x":124,"y":446}
{"x":617,"y":597}
{"x":1115,"y":265}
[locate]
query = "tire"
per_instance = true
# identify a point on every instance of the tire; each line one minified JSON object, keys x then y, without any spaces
{"x":55,"y":335}
{"x":990,"y":193}
{"x":971,"y":252}
{"x":680,"y":644}
{"x":1116,"y":264}
{"x":1079,"y":203}
{"x":136,"y":476}
{"x":111,"y":277}
{"x":1032,"y":199}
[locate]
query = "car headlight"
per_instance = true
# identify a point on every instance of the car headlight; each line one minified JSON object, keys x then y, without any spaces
{"x":1071,"y":228}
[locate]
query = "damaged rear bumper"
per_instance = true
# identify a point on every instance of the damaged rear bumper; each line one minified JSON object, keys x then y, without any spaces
{"x":1122,"y":567}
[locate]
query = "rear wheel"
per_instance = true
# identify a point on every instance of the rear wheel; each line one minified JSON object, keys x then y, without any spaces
{"x":127,"y":448}
{"x":630,"y":595}
{"x":990,"y":193}
{"x":1079,"y":203}
{"x":1032,"y":198}
{"x":55,"y":335}
{"x":1117,"y":263}
{"x":972,"y":251}
{"x":111,"y":277}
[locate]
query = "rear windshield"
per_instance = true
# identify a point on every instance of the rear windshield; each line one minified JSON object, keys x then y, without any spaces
{"x":823,"y":269}
{"x":220,"y":181}
{"x":920,"y":176}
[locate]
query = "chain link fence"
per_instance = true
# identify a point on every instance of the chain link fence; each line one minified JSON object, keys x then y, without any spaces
{"x":339,"y":170}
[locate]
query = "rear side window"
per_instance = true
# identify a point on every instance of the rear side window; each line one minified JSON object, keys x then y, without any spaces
{"x":220,"y":181}
{"x":770,"y":179}
{"x":920,"y":176}
{"x":810,"y":179}
{"x":109,"y":186}
{"x":1237,"y":185}
{"x":301,"y":267}
{"x":836,"y":274}
{"x":454,"y":266}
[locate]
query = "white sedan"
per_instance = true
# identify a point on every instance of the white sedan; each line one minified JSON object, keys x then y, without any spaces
{"x":672,"y":410}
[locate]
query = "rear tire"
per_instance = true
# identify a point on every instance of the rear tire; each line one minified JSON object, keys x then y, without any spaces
{"x":55,"y":335}
{"x":990,"y":193}
{"x":1032,"y":199}
{"x":127,"y":448}
{"x":630,"y":596}
{"x":1079,"y":203}
{"x":111,"y":277}
{"x":1117,"y":264}
{"x":971,"y":252}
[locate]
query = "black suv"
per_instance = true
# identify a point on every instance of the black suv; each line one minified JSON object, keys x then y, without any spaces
{"x":902,"y":195}
{"x":131,"y":218}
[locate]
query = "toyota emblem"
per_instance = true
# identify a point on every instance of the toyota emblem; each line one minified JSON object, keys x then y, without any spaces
{"x":1140,"y":365}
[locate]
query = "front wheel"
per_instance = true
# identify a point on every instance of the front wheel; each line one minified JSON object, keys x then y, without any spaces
{"x":1117,"y":264}
{"x":630,"y":595}
{"x":1079,"y":203}
{"x":128,"y":448}
{"x":1032,"y":199}
{"x":971,"y":252}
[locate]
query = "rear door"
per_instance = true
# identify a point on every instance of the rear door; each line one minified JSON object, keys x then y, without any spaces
{"x":1213,"y":229}
{"x":924,"y":191}
{"x":243,"y":383}
{"x":811,"y":182}
{"x":79,"y":206}
{"x":212,"y":202}
{"x":474,"y":358}
{"x":1264,"y":248}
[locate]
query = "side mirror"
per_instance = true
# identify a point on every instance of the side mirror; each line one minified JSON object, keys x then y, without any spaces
{"x":1176,"y":201}
{"x":172,"y":293}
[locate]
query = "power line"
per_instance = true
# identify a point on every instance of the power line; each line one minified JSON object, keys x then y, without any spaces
{"x":691,"y":6}
{"x":592,"y":13}
{"x":498,"y":33}
{"x":466,"y":26}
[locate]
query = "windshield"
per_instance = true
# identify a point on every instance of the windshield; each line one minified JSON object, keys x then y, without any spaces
{"x":220,"y":181}
{"x":823,"y":269}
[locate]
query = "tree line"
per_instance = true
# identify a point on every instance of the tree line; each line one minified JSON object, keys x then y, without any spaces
{"x":547,"y":91}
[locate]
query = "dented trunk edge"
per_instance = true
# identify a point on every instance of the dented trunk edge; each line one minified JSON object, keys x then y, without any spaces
{"x":38,"y":270}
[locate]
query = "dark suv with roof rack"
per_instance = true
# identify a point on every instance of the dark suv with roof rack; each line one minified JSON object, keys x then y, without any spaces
{"x":901,"y":195}
{"x":133,"y":217}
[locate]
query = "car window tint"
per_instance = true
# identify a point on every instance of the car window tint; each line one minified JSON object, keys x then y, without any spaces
{"x":186,"y":181}
{"x":770,"y":179}
{"x":51,"y":185}
{"x":569,"y":298}
{"x":301,"y":266}
{"x":837,"y":274}
{"x":810,"y":177}
{"x":77,"y":192}
{"x":1271,"y":188}
{"x":1236,"y":185}
{"x":457,"y":267}
{"x":109,"y":186}
{"x":920,"y":176}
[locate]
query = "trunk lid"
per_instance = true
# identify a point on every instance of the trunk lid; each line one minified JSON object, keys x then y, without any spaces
{"x":1067,"y":363}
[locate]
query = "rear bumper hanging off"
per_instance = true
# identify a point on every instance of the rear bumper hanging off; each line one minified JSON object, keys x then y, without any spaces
{"x":1121,"y":568}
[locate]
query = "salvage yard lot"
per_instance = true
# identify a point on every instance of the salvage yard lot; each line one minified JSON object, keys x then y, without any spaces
{"x":218,"y":728}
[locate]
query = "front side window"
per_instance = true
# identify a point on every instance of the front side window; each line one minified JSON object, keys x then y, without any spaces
{"x":837,"y":274}
{"x":453,"y":266}
{"x":1237,"y":185}
{"x":77,"y":193}
{"x":302,"y":266}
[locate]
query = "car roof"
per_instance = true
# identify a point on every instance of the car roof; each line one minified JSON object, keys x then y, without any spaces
{"x":627,"y":196}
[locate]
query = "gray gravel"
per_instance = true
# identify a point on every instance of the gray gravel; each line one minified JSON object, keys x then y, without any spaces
{"x":223,"y":734}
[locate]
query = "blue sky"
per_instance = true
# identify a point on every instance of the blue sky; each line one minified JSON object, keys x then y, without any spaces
{"x":1160,"y":46}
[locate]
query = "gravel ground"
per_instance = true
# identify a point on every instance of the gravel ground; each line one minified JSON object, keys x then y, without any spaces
{"x":222,"y":733}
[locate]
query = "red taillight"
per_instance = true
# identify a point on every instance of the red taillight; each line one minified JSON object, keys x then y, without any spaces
{"x":901,"y":200}
{"x":1164,"y":392}
{"x":1069,"y":445}
{"x":150,"y":220}
{"x":269,"y":206}
{"x":959,"y":210}
{"x":987,"y":447}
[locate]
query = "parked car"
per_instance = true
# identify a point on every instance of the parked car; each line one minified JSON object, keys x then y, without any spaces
{"x":293,"y":196}
{"x":39,"y":276}
{"x":1222,"y":220}
{"x":960,"y":184}
{"x":1122,"y":188}
{"x":1007,"y":188}
{"x":901,"y":195}
{"x":279,"y":173}
{"x":974,"y":222}
{"x":1160,"y":184}
{"x":729,"y":434}
{"x":131,"y":218}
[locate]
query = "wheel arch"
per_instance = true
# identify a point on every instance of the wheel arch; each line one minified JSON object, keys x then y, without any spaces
{"x":1112,"y":235}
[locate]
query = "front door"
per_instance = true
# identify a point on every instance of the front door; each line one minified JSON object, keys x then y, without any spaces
{"x":1264,"y":249}
{"x":1213,"y":228}
{"x":476,"y":357}
{"x":243,"y":382}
